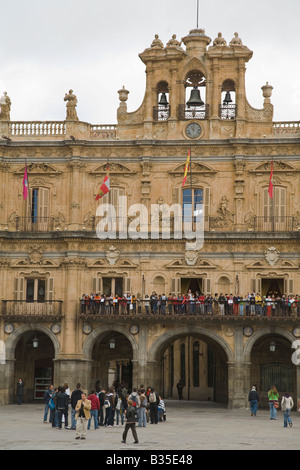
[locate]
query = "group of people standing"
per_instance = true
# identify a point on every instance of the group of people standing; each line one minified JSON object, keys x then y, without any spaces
{"x":287,"y":404}
{"x":102,"y":408}
{"x":192,"y":303}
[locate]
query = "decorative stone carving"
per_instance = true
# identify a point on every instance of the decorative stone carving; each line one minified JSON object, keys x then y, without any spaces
{"x":191,"y":257}
{"x":219,"y":41}
{"x":272,"y":255}
{"x":112,"y":255}
{"x":225,"y":216}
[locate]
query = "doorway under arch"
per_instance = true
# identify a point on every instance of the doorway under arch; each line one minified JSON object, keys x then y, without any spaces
{"x":196,"y":356}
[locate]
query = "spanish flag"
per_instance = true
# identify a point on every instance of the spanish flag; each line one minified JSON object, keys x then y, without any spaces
{"x":105,"y":186}
{"x":186,"y":168}
{"x":271,"y":182}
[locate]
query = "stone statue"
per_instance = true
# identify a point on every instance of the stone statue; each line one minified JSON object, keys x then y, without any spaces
{"x":157,"y":42}
{"x":71,"y":106}
{"x":173,"y":41}
{"x":5,"y":105}
{"x":219,"y":41}
{"x":236,"y":40}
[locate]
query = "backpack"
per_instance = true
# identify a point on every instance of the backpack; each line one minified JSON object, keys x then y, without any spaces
{"x":118,"y":405}
{"x":107,"y":403}
{"x":152,"y":397}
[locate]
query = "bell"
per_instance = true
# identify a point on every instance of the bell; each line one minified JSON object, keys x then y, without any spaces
{"x":227,"y":98}
{"x":163,"y":100}
{"x":195,"y":98}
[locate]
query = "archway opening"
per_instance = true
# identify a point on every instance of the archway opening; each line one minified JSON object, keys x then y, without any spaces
{"x":112,"y":361}
{"x":34,"y":356}
{"x":271,"y":364}
{"x":200,"y":364}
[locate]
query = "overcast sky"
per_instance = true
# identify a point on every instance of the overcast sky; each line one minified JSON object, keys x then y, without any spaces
{"x":92,"y":46}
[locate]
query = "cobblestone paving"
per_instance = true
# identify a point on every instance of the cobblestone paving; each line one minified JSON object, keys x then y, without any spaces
{"x":189,"y":426}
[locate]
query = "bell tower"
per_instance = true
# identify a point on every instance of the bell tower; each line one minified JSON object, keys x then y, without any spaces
{"x":195,"y":80}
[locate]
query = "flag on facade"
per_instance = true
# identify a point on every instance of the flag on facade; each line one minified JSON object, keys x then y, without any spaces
{"x":271,"y":182}
{"x":25,"y":183}
{"x":186,"y":168}
{"x":105,"y":186}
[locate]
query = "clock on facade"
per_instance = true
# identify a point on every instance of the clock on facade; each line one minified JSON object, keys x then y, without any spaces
{"x":193,"y":130}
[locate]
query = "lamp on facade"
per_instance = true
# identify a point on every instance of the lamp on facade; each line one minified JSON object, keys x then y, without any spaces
{"x":35,"y":342}
{"x":272,"y":346}
{"x":112,"y":344}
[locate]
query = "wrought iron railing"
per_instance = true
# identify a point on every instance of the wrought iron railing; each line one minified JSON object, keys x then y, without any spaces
{"x":194,"y":112}
{"x":21,"y":308}
{"x":276,"y":308}
{"x":227,"y":111}
{"x":274,"y":224}
{"x":161,"y":113}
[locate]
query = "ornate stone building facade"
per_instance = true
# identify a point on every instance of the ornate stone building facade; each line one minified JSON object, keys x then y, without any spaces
{"x":51,"y":253}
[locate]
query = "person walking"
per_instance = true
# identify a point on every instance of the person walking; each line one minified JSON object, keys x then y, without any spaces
{"x":253,"y":399}
{"x":273,"y":397}
{"x":83,"y":414}
{"x":153,"y":401}
{"x":95,"y":407}
{"x":286,"y":405}
{"x":131,"y":415}
{"x":20,"y":391}
{"x":142,"y":410}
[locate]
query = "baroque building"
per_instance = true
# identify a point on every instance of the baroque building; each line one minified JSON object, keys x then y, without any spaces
{"x":53,"y":248}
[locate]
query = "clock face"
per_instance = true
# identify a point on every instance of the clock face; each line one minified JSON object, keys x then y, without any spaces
{"x":193,"y":130}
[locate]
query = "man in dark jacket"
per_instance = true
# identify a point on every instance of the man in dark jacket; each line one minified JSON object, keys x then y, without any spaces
{"x":75,"y":396}
{"x":131,"y":415}
{"x":253,"y":399}
{"x":62,"y":403}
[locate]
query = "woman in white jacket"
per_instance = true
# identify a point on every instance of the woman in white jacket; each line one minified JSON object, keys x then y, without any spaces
{"x":286,"y":406}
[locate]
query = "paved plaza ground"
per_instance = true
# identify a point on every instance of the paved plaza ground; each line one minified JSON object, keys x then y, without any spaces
{"x":189,"y":426}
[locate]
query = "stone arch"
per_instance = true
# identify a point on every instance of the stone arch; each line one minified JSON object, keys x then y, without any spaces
{"x":12,"y":341}
{"x":264,"y":332}
{"x":100,"y":332}
{"x":156,"y":347}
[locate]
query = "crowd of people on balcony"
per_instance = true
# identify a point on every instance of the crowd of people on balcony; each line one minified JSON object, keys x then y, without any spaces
{"x":191,"y":304}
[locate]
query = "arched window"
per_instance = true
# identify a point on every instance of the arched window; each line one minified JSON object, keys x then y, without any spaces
{"x":161,"y":111}
{"x":228,"y":104}
{"x":195,"y":106}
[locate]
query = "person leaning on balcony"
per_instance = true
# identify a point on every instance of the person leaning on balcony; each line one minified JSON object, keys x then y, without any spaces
{"x":258,"y":304}
{"x":83,"y":414}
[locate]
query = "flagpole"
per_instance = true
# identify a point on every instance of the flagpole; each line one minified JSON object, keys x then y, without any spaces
{"x":273,"y":199}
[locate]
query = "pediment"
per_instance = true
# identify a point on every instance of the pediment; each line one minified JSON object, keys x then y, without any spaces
{"x":114,"y":168}
{"x":278,"y":166}
{"x":38,"y":169}
{"x":197,"y":169}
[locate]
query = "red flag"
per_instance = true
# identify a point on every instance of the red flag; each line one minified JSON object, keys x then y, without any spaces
{"x":25,"y":183}
{"x":186,"y":168}
{"x":271,"y":182}
{"x":105,"y":186}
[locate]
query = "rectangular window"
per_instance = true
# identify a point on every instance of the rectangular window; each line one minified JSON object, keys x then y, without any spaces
{"x":190,"y":199}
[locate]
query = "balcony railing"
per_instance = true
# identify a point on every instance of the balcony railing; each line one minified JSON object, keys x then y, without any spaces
{"x":32,"y":224}
{"x":194,"y":112}
{"x":182,"y":309}
{"x":274,"y":224}
{"x":161,"y":113}
{"x":17,"y":309}
{"x":227,"y":111}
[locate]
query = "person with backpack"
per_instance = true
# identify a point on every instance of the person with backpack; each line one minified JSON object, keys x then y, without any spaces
{"x":153,"y":402}
{"x":109,"y":405}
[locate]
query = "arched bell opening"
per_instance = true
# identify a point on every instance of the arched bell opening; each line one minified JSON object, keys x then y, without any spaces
{"x":161,"y":110}
{"x":195,"y":106}
{"x":227,"y":107}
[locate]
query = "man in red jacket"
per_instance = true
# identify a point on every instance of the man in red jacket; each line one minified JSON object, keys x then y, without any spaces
{"x":95,"y":407}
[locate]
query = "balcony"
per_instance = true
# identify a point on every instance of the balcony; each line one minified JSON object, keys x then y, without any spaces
{"x":48,"y":310}
{"x":192,"y":311}
{"x":274,"y":224}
